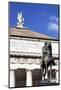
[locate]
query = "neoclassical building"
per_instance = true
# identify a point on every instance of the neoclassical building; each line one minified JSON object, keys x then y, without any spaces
{"x":25,"y":57}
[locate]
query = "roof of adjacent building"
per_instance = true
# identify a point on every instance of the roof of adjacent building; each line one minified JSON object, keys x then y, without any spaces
{"x":25,"y":32}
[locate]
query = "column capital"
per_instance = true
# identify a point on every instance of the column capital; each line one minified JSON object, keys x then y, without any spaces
{"x":28,"y":70}
{"x":12,"y":69}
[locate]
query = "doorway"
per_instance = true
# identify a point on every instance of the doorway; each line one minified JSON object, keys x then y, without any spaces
{"x":20,"y":78}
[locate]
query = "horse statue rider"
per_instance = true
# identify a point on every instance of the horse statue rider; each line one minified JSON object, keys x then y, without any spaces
{"x":47,"y":59}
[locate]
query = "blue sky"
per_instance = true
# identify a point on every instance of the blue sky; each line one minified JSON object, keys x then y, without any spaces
{"x":42,"y":18}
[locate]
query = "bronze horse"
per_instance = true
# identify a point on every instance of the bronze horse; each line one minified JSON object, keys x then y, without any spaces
{"x":47,"y":59}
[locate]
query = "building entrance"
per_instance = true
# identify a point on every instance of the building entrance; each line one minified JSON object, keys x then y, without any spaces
{"x":20,"y":78}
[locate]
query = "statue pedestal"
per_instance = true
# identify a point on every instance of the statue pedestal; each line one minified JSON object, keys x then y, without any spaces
{"x":44,"y":82}
{"x":47,"y":83}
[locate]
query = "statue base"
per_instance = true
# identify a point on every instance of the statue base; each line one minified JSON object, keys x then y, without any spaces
{"x":44,"y":82}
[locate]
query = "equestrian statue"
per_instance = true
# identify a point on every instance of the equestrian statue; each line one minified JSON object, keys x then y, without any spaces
{"x":47,"y":60}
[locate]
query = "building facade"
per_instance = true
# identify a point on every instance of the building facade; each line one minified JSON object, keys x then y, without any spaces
{"x":25,"y":57}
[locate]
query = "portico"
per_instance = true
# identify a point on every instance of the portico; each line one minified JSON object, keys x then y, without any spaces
{"x":25,"y":73}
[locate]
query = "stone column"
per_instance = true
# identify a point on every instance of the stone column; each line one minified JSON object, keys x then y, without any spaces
{"x":12,"y":78}
{"x":28,"y":78}
{"x":57,"y":76}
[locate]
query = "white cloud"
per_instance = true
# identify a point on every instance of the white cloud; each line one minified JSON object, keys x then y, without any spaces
{"x":53,"y":23}
{"x":54,"y":18}
{"x":53,"y":26}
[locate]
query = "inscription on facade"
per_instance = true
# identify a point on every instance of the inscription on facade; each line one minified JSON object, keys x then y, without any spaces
{"x":25,"y":46}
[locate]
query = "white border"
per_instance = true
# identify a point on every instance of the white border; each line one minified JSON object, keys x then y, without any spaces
{"x":4,"y":43}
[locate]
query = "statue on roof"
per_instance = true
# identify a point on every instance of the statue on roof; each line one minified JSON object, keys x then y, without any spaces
{"x":20,"y":20}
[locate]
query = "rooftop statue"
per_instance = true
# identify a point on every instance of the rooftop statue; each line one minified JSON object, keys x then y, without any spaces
{"x":20,"y":20}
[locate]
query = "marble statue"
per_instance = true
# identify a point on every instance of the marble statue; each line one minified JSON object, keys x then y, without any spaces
{"x":20,"y":18}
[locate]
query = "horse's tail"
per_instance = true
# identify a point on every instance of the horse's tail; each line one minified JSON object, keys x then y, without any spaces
{"x":52,"y":61}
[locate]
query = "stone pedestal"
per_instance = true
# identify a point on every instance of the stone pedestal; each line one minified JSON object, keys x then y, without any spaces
{"x":44,"y":82}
